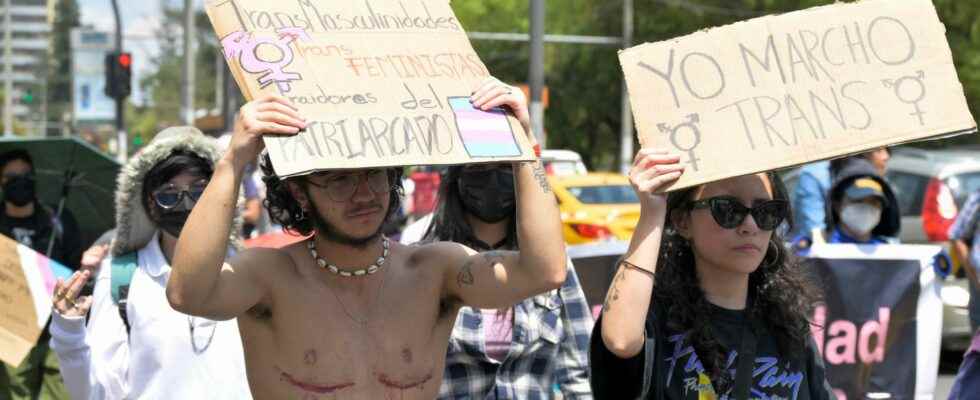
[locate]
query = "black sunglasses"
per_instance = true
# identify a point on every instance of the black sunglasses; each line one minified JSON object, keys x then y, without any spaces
{"x":729,"y":212}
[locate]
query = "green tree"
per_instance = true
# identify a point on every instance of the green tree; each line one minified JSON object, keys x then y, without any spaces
{"x":164,"y":84}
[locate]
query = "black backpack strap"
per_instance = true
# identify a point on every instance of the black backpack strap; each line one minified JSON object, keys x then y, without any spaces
{"x":746,"y":362}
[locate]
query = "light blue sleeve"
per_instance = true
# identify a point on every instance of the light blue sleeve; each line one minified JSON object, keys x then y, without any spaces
{"x":808,"y":204}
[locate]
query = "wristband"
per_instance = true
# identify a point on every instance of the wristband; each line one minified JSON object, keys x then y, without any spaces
{"x":630,"y":265}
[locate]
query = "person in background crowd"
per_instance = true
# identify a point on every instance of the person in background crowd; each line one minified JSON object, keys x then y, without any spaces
{"x":25,"y":219}
{"x":135,"y":345}
{"x":863,"y":209}
{"x":28,"y":221}
{"x":965,"y":242}
{"x":878,"y":158}
{"x":810,"y":199}
{"x":813,"y":185}
{"x":707,"y":303}
{"x":524,"y":351}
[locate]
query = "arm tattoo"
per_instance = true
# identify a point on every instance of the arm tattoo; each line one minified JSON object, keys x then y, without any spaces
{"x":489,"y":259}
{"x":613,"y":294}
{"x":465,"y":276}
{"x":541,"y":176}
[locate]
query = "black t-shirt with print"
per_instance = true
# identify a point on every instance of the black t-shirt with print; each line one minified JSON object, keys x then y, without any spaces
{"x":774,"y":377}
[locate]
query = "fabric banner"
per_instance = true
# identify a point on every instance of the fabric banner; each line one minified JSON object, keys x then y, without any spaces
{"x":27,"y":281}
{"x":880,"y":325}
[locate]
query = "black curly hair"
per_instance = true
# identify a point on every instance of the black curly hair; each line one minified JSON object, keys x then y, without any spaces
{"x":782,"y":292}
{"x":287,"y":212}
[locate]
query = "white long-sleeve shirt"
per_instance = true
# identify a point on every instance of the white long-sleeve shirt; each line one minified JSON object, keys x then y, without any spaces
{"x":159,"y":360}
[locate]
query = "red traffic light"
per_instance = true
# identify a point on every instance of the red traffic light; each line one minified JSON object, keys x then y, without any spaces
{"x":125,"y":60}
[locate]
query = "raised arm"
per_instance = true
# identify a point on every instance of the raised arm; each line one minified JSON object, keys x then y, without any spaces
{"x":500,"y":279}
{"x":202,"y":282}
{"x":628,"y":299}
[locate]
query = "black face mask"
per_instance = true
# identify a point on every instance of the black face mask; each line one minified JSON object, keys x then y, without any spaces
{"x":19,"y":191}
{"x":487,"y":194}
{"x":171,"y":221}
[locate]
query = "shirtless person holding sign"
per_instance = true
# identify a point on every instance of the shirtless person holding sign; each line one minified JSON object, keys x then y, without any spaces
{"x":349,"y":314}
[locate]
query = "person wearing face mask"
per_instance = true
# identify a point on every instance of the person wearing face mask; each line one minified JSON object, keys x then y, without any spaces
{"x":863,"y":208}
{"x":135,"y":346}
{"x":25,"y":219}
{"x":530,"y":350}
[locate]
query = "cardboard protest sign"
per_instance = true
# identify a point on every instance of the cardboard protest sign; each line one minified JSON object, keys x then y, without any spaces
{"x":382,"y":82}
{"x":778,"y":91}
{"x":27,"y":282}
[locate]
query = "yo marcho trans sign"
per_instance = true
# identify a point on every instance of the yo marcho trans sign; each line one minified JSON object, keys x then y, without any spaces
{"x":778,"y":91}
{"x":381,"y":82}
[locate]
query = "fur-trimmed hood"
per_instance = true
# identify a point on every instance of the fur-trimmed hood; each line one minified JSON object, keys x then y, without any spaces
{"x":134,"y":229}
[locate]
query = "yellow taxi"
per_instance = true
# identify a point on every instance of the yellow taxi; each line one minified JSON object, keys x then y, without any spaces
{"x":596,"y":206}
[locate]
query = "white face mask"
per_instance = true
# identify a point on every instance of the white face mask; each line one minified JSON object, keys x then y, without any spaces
{"x":860,"y":217}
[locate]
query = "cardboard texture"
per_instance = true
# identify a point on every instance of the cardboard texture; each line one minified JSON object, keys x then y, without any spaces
{"x":779,"y":91}
{"x":19,"y":328}
{"x":382,"y":82}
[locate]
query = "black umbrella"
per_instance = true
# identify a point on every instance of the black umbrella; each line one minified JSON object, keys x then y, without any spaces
{"x":72,"y":174}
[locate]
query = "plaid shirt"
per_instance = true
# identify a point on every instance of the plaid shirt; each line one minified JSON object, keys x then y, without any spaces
{"x":548,"y":353}
{"x":966,"y":228}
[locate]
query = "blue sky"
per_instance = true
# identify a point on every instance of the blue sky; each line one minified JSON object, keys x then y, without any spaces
{"x":140,"y":18}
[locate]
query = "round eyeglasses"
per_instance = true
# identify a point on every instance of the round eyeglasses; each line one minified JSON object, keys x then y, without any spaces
{"x":341,"y":188}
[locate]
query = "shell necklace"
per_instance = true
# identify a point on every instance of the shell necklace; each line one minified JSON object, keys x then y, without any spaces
{"x":370,"y":270}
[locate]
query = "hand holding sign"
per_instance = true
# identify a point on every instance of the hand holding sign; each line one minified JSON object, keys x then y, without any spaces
{"x":493,"y":93}
{"x":66,"y":301}
{"x":653,"y":170}
{"x":268,"y":115}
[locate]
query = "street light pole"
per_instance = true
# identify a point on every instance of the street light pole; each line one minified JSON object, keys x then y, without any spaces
{"x":537,"y":70}
{"x":122,"y":140}
{"x":626,"y":129}
{"x":188,"y":62}
{"x":8,"y":73}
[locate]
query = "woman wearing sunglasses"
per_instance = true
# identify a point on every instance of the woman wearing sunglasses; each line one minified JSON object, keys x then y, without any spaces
{"x":135,"y":346}
{"x":707,"y":303}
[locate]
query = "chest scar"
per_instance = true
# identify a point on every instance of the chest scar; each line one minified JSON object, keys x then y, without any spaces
{"x":312,"y":387}
{"x":403,"y":385}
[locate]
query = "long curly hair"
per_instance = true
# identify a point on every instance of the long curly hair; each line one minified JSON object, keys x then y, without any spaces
{"x":781,"y":291}
{"x":286,"y":211}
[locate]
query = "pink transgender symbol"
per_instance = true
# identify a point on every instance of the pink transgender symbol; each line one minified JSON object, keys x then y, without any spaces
{"x":244,"y":45}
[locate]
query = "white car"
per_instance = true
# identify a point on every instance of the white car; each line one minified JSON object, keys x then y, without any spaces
{"x":562,"y":163}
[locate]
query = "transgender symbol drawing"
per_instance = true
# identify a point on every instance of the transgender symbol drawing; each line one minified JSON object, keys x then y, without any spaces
{"x":910,"y":90}
{"x":245,"y":46}
{"x":689,"y":128}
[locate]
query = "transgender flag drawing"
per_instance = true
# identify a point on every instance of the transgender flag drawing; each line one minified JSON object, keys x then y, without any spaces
{"x":28,"y":280}
{"x":485,"y":134}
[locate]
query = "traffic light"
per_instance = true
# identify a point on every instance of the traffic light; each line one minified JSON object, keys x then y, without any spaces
{"x":27,"y":97}
{"x":118,"y":75}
